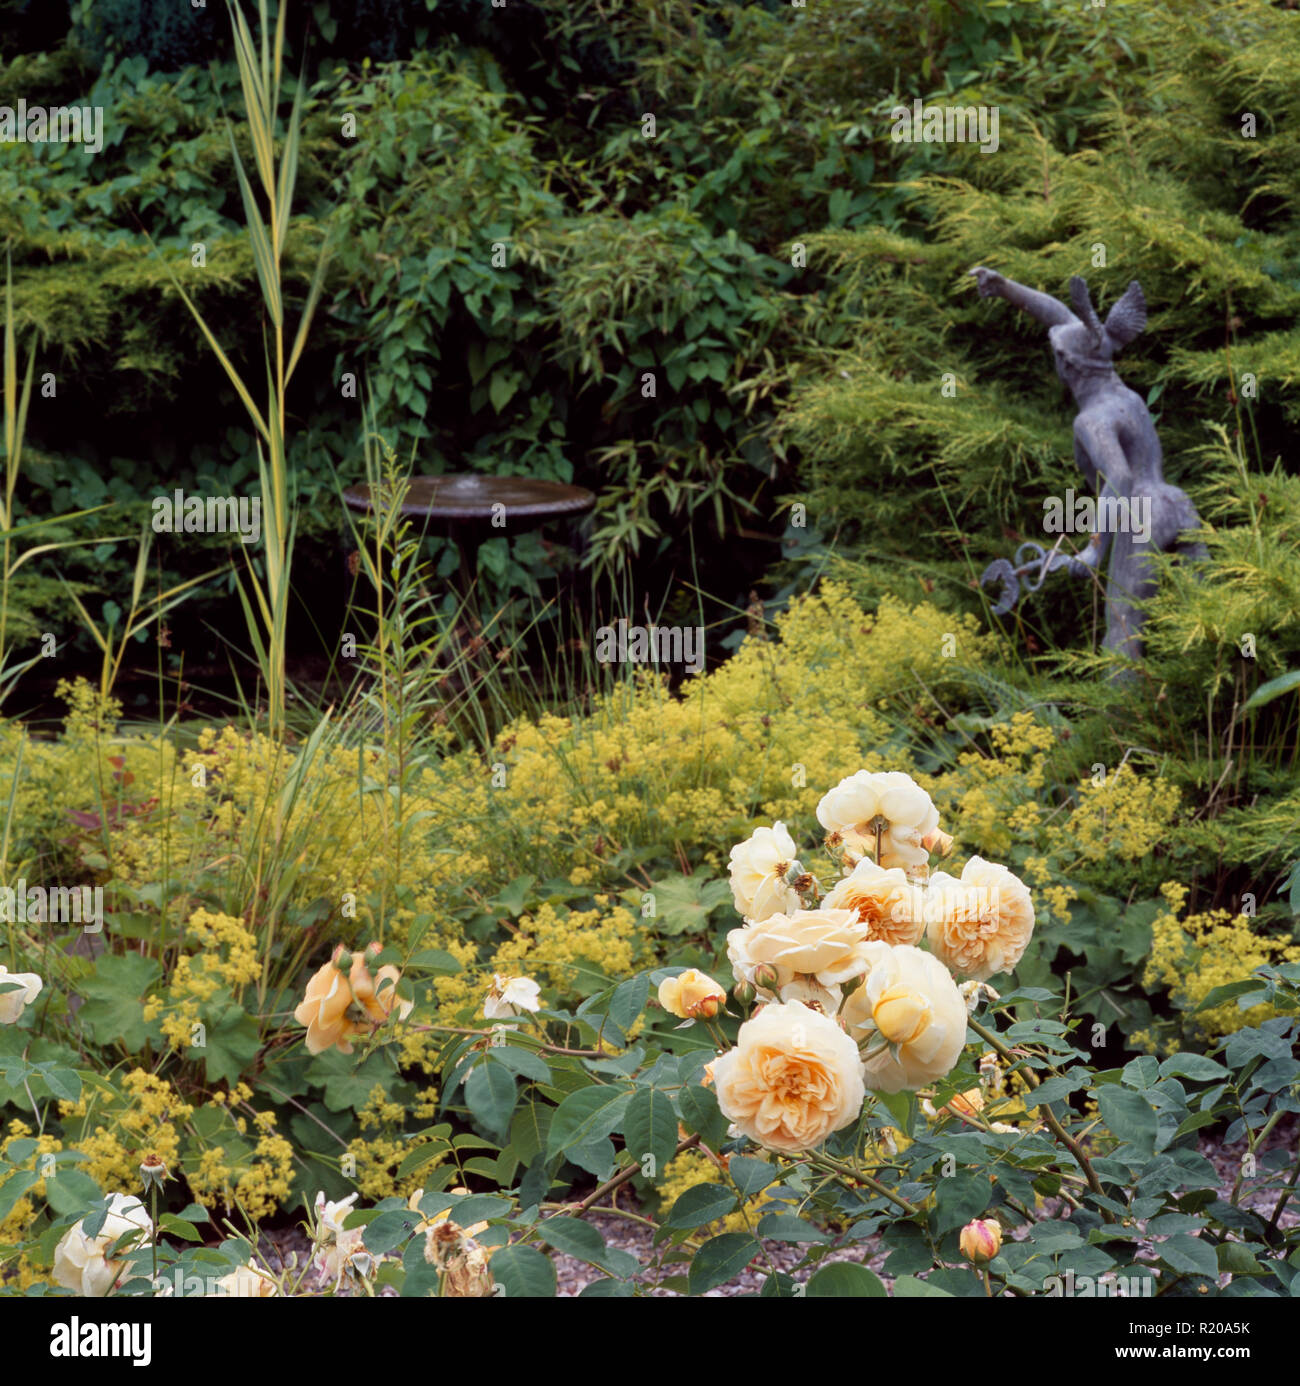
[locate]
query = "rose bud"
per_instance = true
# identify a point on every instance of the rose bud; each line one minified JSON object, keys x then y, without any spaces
{"x":981,"y":1240}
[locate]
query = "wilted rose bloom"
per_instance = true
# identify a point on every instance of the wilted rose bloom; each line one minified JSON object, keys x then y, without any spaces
{"x":909,"y":1001}
{"x":980,"y":1241}
{"x":510,"y":995}
{"x":825,"y":944}
{"x":853,"y":806}
{"x":337,"y":1007}
{"x":981,"y":924}
{"x":83,"y":1264}
{"x":413,"y":1203}
{"x":692,"y":996}
{"x":463,"y":1262}
{"x":340,"y":1250}
{"x":890,"y":906}
{"x":760,"y":868}
{"x":26,"y":987}
{"x":247,"y":1282}
{"x":793,"y":1078}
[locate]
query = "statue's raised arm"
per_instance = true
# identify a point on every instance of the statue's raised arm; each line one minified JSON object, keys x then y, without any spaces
{"x":1043,"y":307}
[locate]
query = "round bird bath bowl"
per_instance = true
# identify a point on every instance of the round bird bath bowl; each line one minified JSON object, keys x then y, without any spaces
{"x":467,"y":507}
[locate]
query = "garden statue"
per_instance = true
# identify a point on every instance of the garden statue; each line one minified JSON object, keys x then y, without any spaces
{"x":1114,"y":439}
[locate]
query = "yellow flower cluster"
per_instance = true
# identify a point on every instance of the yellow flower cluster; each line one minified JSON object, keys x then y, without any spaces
{"x":112,"y":1130}
{"x":557,"y":946}
{"x":238,"y":1160}
{"x":1125,"y":817}
{"x":996,"y":800}
{"x":224,"y":1167}
{"x":758,"y":735}
{"x":1193,"y":955}
{"x":224,"y":954}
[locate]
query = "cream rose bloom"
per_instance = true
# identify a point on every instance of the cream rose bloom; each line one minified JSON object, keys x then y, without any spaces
{"x":851,"y":808}
{"x":825,"y":944}
{"x":760,"y":868}
{"x":83,"y":1264}
{"x":981,"y":924}
{"x":909,"y":1015}
{"x":510,"y":995}
{"x":692,"y":995}
{"x":793,"y":1078}
{"x":892,"y":908}
{"x":14,"y":1002}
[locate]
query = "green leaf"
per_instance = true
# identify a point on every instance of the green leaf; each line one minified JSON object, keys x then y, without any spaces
{"x":607,"y":1289}
{"x":790,"y":1227}
{"x":514,"y":896}
{"x":628,"y":1001}
{"x":1195,"y":1122}
{"x":909,"y":1287}
{"x":178,"y":1227}
{"x":1188,"y":1254}
{"x":581,"y":1240}
{"x":420,"y":1156}
{"x":527,"y":1063}
{"x":490,"y":1095}
{"x":960,"y":1198}
{"x":751,"y":1175}
{"x":502,"y":387}
{"x":701,"y":1203}
{"x":114,"y":1009}
{"x":14,"y":1187}
{"x":683,"y":903}
{"x":1237,"y":1259}
{"x":522,"y":1272}
{"x":64,"y":1083}
{"x":700,"y":1114}
{"x":1216,"y":996}
{"x":845,"y":1280}
{"x":233,"y":1043}
{"x":1129,"y":1116}
{"x":1054,"y":1089}
{"x":1274,"y":688}
{"x":586,"y":1115}
{"x":348,"y":1084}
{"x":1196,"y":1066}
{"x":71,"y":1190}
{"x":388,"y":1230}
{"x":650,"y":1127}
{"x":721,"y":1259}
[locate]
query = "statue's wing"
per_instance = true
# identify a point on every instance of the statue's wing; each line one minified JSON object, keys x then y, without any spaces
{"x":1128,"y":316}
{"x":1083,"y":309}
